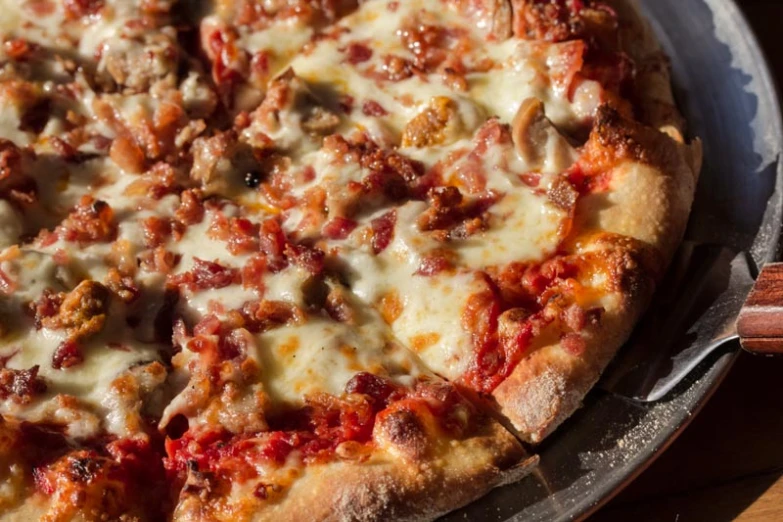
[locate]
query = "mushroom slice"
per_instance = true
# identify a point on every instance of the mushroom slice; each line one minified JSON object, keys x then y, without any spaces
{"x":537,"y":141}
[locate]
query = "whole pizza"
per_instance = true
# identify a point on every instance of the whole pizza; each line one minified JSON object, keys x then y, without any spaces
{"x":317,"y":259}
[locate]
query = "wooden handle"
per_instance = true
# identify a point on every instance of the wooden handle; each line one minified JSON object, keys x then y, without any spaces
{"x":760,"y":323}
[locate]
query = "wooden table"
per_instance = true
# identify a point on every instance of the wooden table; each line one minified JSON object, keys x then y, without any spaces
{"x":728,"y":465}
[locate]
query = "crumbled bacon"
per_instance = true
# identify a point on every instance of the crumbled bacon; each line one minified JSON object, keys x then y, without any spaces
{"x":261,"y":316}
{"x":253,"y":273}
{"x":338,"y":306}
{"x":373,"y":108}
{"x":157,"y":231}
{"x":306,"y":257}
{"x":339,"y":228}
{"x":383,"y":231}
{"x":91,"y":221}
{"x":453,"y":217}
{"x":158,"y":260}
{"x":560,"y":20}
{"x":357,"y":53}
{"x":47,"y":305}
{"x":75,"y":9}
{"x":124,"y":287}
{"x":191,"y":207}
{"x":435,"y":262}
{"x":82,"y":312}
{"x":206,"y":275}
{"x":127,"y":154}
{"x":21,"y":386}
{"x":19,"y":49}
{"x":272,"y":242}
{"x":240,"y":234}
{"x":67,"y":354}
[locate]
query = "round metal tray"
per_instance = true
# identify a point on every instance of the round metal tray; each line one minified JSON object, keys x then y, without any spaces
{"x":725,"y":90}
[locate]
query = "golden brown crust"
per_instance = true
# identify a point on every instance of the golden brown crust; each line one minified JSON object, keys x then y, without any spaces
{"x":387,"y":486}
{"x":550,"y":383}
{"x":653,"y":177}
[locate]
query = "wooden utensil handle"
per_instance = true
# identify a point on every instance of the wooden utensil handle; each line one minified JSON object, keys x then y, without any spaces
{"x":760,"y":323}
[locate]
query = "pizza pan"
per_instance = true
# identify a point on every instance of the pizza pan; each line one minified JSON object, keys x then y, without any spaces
{"x":725,"y":89}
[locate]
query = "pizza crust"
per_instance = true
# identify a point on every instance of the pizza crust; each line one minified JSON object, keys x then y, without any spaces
{"x":648,"y":201}
{"x":384,"y":487}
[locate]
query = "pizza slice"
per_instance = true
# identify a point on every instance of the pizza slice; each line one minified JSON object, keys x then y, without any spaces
{"x":505,"y":250}
{"x":289,"y":390}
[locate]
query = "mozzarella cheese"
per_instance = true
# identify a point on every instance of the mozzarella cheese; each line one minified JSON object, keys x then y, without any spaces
{"x":411,"y":317}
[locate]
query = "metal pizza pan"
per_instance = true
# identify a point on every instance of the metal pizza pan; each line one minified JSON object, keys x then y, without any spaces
{"x":725,"y":89}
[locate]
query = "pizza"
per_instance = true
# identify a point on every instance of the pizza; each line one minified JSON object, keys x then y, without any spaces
{"x":317,"y":259}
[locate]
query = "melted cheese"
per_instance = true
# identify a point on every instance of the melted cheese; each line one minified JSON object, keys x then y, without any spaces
{"x":321,"y":356}
{"x":410,"y":318}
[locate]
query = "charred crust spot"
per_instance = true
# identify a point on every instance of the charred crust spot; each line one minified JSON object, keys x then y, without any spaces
{"x":405,"y":430}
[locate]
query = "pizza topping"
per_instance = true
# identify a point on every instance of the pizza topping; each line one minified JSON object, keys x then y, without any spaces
{"x":561,"y":20}
{"x":21,"y":386}
{"x":91,"y":221}
{"x":205,"y":275}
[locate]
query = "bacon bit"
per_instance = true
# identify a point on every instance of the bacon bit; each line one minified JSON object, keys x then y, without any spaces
{"x":253,"y":273}
{"x":191,"y":207}
{"x":338,"y":306}
{"x":67,"y":355}
{"x":345,"y":103}
{"x":259,"y":67}
{"x":127,"y":154}
{"x":383,"y":231}
{"x":157,"y":231}
{"x":272,"y":242}
{"x":21,"y":385}
{"x":357,"y":53}
{"x":242,"y":236}
{"x":561,"y":20}
{"x":48,"y":305}
{"x":82,"y":313}
{"x":308,"y":258}
{"x":91,"y":221}
{"x":206,"y":275}
{"x":75,"y":9}
{"x":454,"y":218}
{"x":531,"y":179}
{"x":373,"y":108}
{"x":574,"y":344}
{"x":339,"y":228}
{"x":63,"y":149}
{"x":209,"y":325}
{"x":262,"y":316}
{"x":435,"y":262}
{"x":395,"y":68}
{"x":158,"y":260}
{"x":124,"y":287}
{"x":480,"y":319}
